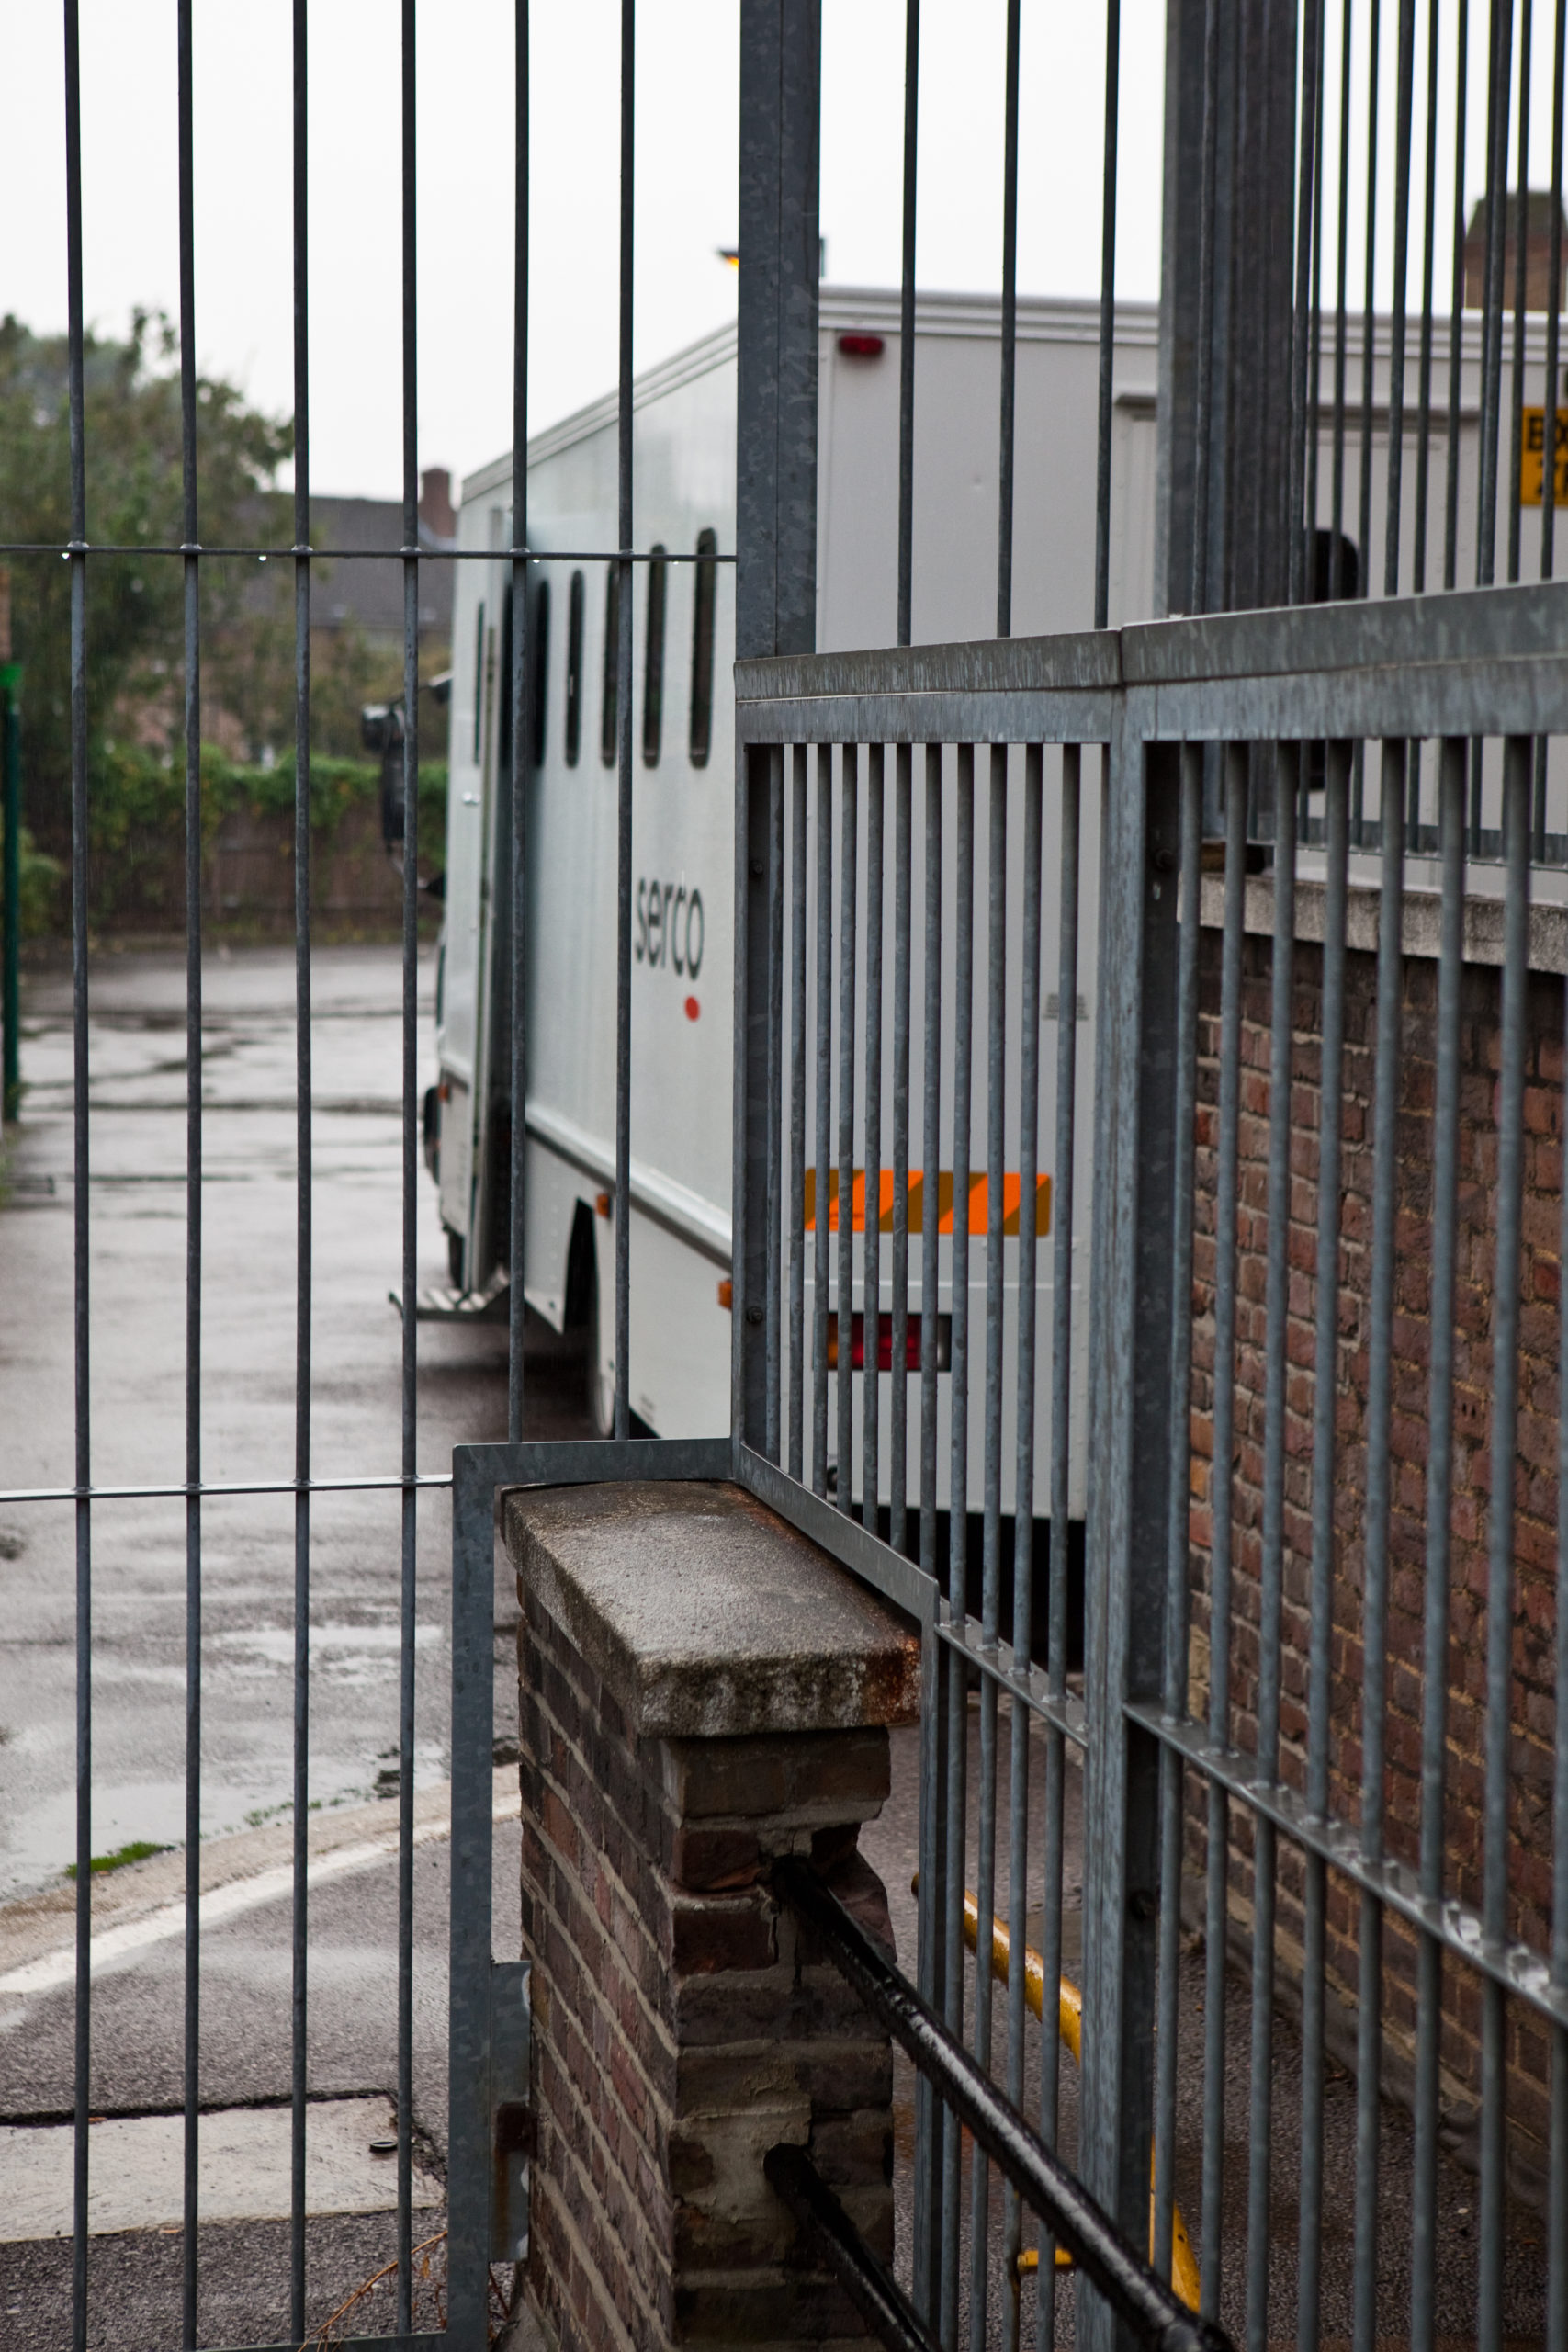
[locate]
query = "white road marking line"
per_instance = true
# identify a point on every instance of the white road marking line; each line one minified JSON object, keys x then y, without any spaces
{"x":116,"y":1945}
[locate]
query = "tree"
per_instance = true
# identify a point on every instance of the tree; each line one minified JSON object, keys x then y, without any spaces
{"x":135,"y":604}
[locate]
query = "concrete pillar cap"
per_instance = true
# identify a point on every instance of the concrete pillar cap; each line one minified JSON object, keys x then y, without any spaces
{"x":707,"y":1616}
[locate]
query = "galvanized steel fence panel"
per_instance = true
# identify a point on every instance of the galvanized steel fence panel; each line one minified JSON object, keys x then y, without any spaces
{"x":1174,"y":1779}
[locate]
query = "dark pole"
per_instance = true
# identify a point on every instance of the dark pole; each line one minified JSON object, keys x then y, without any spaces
{"x":11,"y":874}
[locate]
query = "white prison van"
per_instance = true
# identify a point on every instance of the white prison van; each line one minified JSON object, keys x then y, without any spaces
{"x":683,"y":633}
{"x":683,"y":962}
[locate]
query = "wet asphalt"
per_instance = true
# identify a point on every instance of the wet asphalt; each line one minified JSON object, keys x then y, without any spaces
{"x":136,"y":1392}
{"x":136,"y":1389}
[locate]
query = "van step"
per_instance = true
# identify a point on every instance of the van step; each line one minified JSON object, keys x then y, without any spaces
{"x":489,"y":1306}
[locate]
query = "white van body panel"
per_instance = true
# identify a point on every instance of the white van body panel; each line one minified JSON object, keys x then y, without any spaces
{"x":682,"y":840}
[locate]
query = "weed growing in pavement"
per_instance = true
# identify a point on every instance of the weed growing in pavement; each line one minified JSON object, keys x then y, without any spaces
{"x":138,"y":1850}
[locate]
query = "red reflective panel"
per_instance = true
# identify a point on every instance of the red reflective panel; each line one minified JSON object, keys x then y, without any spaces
{"x":883,"y":1343}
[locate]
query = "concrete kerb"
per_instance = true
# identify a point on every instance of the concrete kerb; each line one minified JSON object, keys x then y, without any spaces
{"x":37,"y":1929}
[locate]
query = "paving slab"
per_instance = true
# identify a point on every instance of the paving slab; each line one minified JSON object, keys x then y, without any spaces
{"x":244,"y":2168}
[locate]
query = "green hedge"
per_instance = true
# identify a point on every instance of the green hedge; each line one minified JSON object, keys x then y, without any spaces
{"x":129,"y":788}
{"x":136,"y":826}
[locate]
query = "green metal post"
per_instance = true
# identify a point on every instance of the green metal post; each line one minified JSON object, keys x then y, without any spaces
{"x":11,"y":885}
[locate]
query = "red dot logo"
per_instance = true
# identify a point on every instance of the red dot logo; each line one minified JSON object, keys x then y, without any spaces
{"x":692,"y":1008}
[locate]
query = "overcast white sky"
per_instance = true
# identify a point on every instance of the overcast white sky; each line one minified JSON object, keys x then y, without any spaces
{"x":686,"y":179}
{"x":687,"y":52}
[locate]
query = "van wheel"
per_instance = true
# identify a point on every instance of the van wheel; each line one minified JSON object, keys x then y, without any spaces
{"x":453,"y":1258}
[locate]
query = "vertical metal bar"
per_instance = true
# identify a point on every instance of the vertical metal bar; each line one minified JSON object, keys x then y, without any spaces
{"x":1341,"y":308}
{"x":1186,"y":148}
{"x":1107,"y":317}
{"x":191,"y":568}
{"x":470,"y":1945}
{"x":1440,"y":1495}
{"x":10,"y":878}
{"x":1501,"y":57}
{"x":756,"y":1086}
{"x":1326,"y":1392}
{"x":1369,"y":311}
{"x":899,"y":1419}
{"x":930,"y":2134}
{"x":625,"y":528}
{"x":1029,"y":1012}
{"x":1178,"y":1542}
{"x":1517,"y":758}
{"x":1456,"y":306}
{"x":1271,"y":1591}
{"x":958,"y":1481}
{"x":934,"y":2123}
{"x":1428,"y":266}
{"x":303,"y":1238}
{"x":1549,"y":394}
{"x":1129,"y":1476}
{"x":1553,"y":309}
{"x":80,"y":1263}
{"x":1063,"y":1212}
{"x":848,"y":865}
{"x":1203,"y":401}
{"x":1010,"y":328}
{"x":931,"y":1149}
{"x":1404,"y":73}
{"x":990,"y":1554}
{"x":773,"y":1300}
{"x":1219,"y":1477}
{"x":1521,"y":251}
{"x":822,"y":983}
{"x":871,"y":1248}
{"x":521,"y":740}
{"x":797,"y":883}
{"x":1301,"y":321}
{"x":776,"y":360}
{"x":1314,"y":364}
{"x":907,"y":321}
{"x":927,"y":2199}
{"x":1375,"y":1570}
{"x":408,"y":1627}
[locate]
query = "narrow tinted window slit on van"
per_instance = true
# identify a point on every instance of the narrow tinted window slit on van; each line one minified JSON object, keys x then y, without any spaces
{"x":538,"y":652}
{"x":478,"y":685}
{"x":504,"y":726}
{"x":612,"y":640}
{"x":574,"y":602}
{"x":704,"y":606}
{"x":653,"y":659}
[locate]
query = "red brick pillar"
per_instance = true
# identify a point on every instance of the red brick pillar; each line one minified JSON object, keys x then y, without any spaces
{"x":702,"y":1691}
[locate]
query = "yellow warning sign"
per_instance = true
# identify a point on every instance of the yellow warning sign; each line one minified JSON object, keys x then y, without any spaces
{"x":1532,"y":464}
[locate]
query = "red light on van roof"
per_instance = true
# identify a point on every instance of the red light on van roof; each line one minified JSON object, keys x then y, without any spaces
{"x":860,"y":346}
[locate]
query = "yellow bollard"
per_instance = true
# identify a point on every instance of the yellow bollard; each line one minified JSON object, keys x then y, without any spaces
{"x":1069,"y":2024}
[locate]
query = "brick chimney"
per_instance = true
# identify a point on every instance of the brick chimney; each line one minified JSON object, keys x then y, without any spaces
{"x":435,"y":508}
{"x":1538,"y":251}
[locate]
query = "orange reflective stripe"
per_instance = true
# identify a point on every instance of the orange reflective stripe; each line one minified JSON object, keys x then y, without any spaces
{"x":980,"y":1202}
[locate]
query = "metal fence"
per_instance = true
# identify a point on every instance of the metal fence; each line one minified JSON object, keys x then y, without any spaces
{"x":1255,"y":1772}
{"x":1250,"y":1773}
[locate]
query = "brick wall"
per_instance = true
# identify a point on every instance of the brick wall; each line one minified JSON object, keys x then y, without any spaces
{"x":1533,"y":1471}
{"x":681,"y":2024}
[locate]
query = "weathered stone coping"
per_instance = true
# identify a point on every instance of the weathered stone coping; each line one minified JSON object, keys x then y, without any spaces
{"x":1420,"y":923}
{"x":707,"y":1614}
